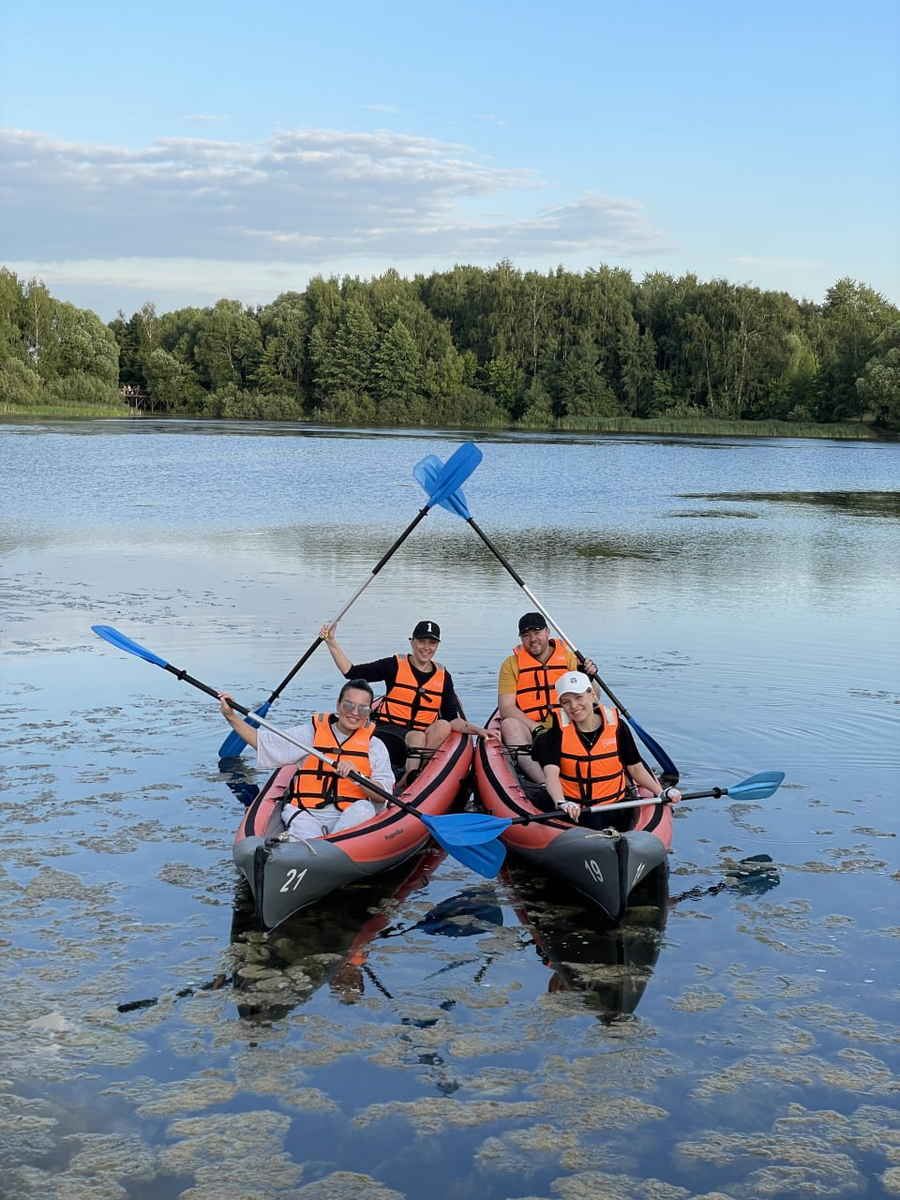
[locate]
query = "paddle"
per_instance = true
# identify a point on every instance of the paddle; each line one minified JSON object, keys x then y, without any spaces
{"x":486,"y":859}
{"x":458,"y":467}
{"x":428,"y":470}
{"x":474,"y":826}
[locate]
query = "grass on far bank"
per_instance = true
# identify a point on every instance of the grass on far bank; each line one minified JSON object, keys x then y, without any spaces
{"x":712,"y":427}
{"x":69,"y":412}
{"x":674,"y":426}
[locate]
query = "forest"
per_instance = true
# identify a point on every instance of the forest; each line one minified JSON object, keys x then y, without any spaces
{"x":469,"y":347}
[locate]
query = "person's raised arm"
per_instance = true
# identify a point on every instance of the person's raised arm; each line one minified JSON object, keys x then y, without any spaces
{"x":237,"y":722}
{"x":342,"y":662}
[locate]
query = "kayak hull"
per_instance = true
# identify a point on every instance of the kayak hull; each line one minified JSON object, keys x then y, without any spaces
{"x":286,"y":876}
{"x":603,"y":865}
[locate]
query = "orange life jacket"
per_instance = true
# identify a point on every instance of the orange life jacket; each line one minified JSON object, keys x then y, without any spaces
{"x":535,"y":693}
{"x":411,"y":704}
{"x":316,"y":783}
{"x":595,"y":775}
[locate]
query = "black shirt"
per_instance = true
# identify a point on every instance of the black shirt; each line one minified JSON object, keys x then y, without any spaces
{"x":547,"y":748}
{"x":384,"y":670}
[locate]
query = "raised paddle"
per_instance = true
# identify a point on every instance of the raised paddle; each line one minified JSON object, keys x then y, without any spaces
{"x":426,"y":472}
{"x":458,"y":467}
{"x":473,"y":826}
{"x":484,"y":855}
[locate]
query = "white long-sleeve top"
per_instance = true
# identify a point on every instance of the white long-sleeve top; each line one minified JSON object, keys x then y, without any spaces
{"x":276,"y":751}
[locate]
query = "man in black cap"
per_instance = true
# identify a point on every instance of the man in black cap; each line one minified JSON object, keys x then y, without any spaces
{"x":525,"y":691}
{"x":420,"y":707}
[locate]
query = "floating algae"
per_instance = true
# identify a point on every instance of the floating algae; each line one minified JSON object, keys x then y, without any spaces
{"x":794,"y":1164}
{"x":346,"y":1185}
{"x":699,"y":999}
{"x":246,"y":1149}
{"x":431,"y":1114}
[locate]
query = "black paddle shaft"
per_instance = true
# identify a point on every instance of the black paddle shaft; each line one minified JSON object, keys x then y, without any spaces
{"x":388,"y":554}
{"x":354,"y":775}
{"x":501,"y":558}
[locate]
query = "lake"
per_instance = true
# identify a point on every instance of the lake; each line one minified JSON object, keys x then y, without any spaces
{"x":433,"y":1032}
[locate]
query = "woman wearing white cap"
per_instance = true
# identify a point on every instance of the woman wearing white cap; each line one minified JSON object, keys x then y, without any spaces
{"x":589,"y":755}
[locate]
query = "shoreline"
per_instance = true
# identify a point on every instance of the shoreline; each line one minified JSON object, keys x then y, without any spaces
{"x":652,"y":427}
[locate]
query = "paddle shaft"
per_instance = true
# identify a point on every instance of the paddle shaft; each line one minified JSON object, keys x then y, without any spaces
{"x":486,"y":860}
{"x":356,"y":595}
{"x":354,"y":775}
{"x":717,"y":791}
{"x":504,"y":562}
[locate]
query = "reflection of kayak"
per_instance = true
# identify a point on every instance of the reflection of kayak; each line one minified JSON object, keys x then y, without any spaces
{"x":286,"y":876}
{"x":604,"y":866}
{"x":328,"y":945}
{"x":610,"y":966}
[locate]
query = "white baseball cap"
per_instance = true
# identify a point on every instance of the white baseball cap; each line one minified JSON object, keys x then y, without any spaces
{"x":572,"y":681}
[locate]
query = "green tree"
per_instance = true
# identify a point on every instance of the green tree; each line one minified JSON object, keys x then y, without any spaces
{"x":879,"y":384}
{"x":343,"y":359}
{"x":12,"y":318}
{"x":397,"y":366}
{"x":229,"y":346}
{"x":19,"y":383}
{"x":853,"y":317}
{"x":580,"y":388}
{"x":172,"y":385}
{"x":38,"y":320}
{"x":285,"y":326}
{"x":76,"y":341}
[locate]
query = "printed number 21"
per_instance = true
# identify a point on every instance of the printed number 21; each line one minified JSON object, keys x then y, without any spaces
{"x":294,"y":879}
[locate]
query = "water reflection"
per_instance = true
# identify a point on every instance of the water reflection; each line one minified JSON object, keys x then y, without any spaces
{"x":327,"y":943}
{"x":753,"y":876}
{"x":870,"y":504}
{"x":610,"y":965}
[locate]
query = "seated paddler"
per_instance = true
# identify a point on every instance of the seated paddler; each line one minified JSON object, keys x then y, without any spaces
{"x":322,"y":797}
{"x":525,"y":692}
{"x":589,"y":756}
{"x":420,"y":708}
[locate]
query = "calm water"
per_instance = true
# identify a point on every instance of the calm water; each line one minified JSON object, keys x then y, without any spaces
{"x":736,"y":1038}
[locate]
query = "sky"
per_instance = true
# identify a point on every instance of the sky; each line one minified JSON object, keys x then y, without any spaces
{"x":183,"y":152}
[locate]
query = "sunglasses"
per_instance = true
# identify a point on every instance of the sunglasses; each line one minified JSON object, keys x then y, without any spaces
{"x":349,"y":707}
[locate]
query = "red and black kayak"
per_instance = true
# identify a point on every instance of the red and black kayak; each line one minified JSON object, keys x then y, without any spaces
{"x":604,"y":865}
{"x":286,"y":876}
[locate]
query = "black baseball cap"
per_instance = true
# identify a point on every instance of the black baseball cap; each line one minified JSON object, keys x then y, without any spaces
{"x":531,"y":621}
{"x":427,"y":629}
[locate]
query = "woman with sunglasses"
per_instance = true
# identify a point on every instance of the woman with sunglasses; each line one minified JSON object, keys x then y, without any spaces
{"x":322,"y":798}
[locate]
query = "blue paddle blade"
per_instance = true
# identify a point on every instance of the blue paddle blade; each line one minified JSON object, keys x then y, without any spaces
{"x":486,"y":859}
{"x":234,"y":744}
{"x":757,"y":787}
{"x":427,"y":473}
{"x":455,"y":471}
{"x":121,"y":642}
{"x":655,"y":749}
{"x":468,"y":829}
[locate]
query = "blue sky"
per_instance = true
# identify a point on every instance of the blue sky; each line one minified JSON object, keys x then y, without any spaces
{"x":183,"y":152}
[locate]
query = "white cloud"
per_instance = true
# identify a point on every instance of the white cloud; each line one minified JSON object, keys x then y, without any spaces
{"x":307,"y":195}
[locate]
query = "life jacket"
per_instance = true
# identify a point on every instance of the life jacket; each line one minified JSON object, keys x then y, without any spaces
{"x":411,"y":704}
{"x":316,"y":783}
{"x":595,"y":775}
{"x":535,"y":692}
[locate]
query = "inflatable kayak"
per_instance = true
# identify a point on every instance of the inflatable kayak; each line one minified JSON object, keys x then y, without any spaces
{"x":285,"y":876}
{"x":604,"y":865}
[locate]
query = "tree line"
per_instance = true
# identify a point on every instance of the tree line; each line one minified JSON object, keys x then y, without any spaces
{"x":473,"y":347}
